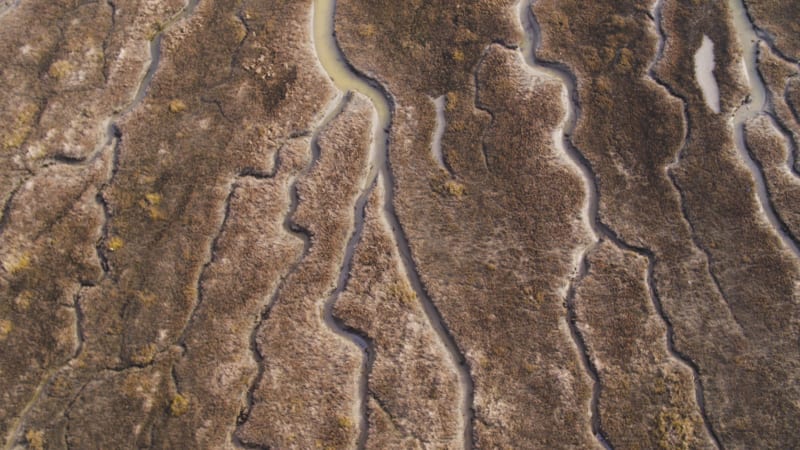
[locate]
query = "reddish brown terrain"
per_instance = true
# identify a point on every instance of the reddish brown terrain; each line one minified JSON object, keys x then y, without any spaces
{"x":347,"y":224}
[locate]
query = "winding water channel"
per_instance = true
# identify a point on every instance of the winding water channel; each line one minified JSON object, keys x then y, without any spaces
{"x":561,"y":137}
{"x":346,"y":78}
{"x":755,"y":105}
{"x":111,"y":139}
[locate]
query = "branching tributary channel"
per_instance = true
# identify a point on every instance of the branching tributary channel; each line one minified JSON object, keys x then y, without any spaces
{"x":112,"y":138}
{"x":346,"y":78}
{"x":561,"y":138}
{"x":756,"y":104}
{"x":600,"y":231}
{"x":657,"y":17}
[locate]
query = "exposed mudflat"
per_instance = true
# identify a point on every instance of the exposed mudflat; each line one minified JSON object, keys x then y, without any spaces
{"x":430,"y":224}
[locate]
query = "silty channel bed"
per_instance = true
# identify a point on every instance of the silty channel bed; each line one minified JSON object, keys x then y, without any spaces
{"x":347,"y":79}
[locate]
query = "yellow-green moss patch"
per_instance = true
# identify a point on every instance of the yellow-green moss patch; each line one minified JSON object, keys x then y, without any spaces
{"x":16,"y":263}
{"x":674,"y":431}
{"x":179,"y":405}
{"x":5,"y":328}
{"x":145,"y":354}
{"x":35,"y":439}
{"x":176,"y":106}
{"x":115,"y":243}
{"x":60,"y":69}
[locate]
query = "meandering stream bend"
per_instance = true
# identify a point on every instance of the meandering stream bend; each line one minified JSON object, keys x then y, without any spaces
{"x":110,"y":140}
{"x":571,"y":157}
{"x":755,"y":104}
{"x":345,"y":78}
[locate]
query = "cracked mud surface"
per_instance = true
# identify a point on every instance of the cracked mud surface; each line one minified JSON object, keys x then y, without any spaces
{"x":477,"y":224}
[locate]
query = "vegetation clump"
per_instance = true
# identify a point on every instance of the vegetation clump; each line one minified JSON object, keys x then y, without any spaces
{"x":17,"y":263}
{"x":20,"y":128}
{"x":59,"y":69}
{"x":402,"y":292}
{"x":345,"y":422}
{"x":35,"y":439}
{"x":674,"y":431}
{"x":146,"y":298}
{"x":451,"y":101}
{"x":115,"y":243}
{"x":145,"y":355}
{"x":23,"y":301}
{"x":5,"y":328}
{"x":447,"y":187}
{"x":176,"y":106}
{"x":152,"y":203}
{"x":179,"y":405}
{"x":155,"y":29}
{"x":367,"y":30}
{"x":454,"y":188}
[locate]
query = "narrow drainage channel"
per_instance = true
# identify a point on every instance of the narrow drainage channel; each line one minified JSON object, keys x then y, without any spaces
{"x":755,"y":105}
{"x":14,"y":436}
{"x":113,"y":137}
{"x":338,"y":327}
{"x":292,"y":229}
{"x":657,"y":17}
{"x":155,"y":57}
{"x":528,"y":48}
{"x":346,"y":78}
{"x":779,"y":125}
{"x":113,"y":132}
{"x":334,"y":108}
{"x":600,"y":230}
{"x":561,"y":138}
{"x":112,"y":129}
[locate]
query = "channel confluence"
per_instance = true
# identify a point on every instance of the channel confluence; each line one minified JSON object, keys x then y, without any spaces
{"x":346,"y":78}
{"x":561,"y":136}
{"x":112,"y":139}
{"x":755,"y":104}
